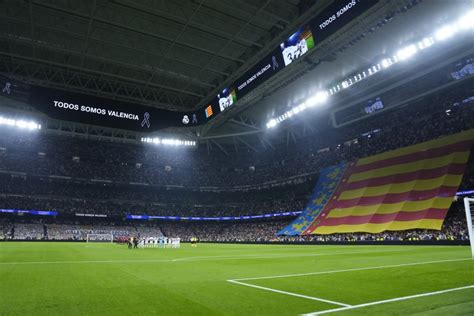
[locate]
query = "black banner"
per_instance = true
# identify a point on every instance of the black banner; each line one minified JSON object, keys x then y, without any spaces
{"x":87,"y":109}
{"x":260,"y":73}
{"x":336,"y":15}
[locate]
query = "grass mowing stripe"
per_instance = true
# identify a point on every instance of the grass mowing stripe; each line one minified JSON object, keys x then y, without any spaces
{"x":290,"y":293}
{"x":204,"y":258}
{"x":349,"y":270}
{"x":271,"y":256}
{"x":390,"y":300}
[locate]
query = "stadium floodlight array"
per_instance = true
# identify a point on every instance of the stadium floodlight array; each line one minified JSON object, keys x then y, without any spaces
{"x":318,"y":98}
{"x":168,"y":141}
{"x":405,"y":53}
{"x":22,"y":124}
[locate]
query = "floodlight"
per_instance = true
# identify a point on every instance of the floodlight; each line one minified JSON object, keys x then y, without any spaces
{"x":271,"y":123}
{"x":321,"y":96}
{"x":310,"y":102}
{"x":425,"y":43}
{"x":168,"y":141}
{"x":25,"y":124}
{"x":31,"y":125}
{"x":467,"y":21}
{"x":387,"y":62}
{"x":444,"y":33}
{"x":407,"y":52}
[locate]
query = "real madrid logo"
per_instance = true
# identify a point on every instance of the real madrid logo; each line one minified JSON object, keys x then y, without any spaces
{"x":185,"y":120}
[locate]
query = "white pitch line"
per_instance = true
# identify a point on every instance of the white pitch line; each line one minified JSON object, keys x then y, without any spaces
{"x":290,"y":293}
{"x":389,"y":300}
{"x":349,"y":270}
{"x":187,"y":259}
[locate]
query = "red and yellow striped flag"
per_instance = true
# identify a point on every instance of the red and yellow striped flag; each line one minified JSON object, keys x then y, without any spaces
{"x":408,"y":188}
{"x":208,"y":111}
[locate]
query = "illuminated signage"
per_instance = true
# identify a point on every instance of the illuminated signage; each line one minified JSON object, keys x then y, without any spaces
{"x":92,"y":110}
{"x":29,"y":212}
{"x":261,"y":72}
{"x":298,"y":44}
{"x":226,"y":99}
{"x":208,"y":111}
{"x":226,"y":218}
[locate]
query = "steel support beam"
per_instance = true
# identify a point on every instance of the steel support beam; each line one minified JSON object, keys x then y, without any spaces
{"x":133,"y":29}
{"x":34,"y":71}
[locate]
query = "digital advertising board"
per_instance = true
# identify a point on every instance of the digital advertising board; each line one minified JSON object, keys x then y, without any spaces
{"x":98,"y":111}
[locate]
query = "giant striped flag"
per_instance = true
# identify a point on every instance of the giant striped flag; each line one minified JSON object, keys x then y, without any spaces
{"x":407,"y":188}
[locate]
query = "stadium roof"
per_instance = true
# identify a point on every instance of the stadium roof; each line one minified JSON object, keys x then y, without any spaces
{"x":167,"y":54}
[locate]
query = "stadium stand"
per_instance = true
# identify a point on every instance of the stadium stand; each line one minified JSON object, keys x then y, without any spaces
{"x":454,"y":229}
{"x":100,"y":183}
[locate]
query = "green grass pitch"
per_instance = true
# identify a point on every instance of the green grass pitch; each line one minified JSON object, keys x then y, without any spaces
{"x":108,"y":279}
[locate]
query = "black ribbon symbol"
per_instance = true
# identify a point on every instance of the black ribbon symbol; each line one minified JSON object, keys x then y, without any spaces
{"x":146,"y":120}
{"x":274,"y":62}
{"x":7,"y":88}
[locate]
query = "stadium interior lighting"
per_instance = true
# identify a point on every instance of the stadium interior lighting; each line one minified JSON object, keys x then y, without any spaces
{"x":321,"y":96}
{"x":425,"y":43}
{"x":312,"y":101}
{"x":444,"y":33}
{"x":271,"y":123}
{"x":407,"y":52}
{"x":387,"y":62}
{"x":168,"y":141}
{"x":22,"y":124}
{"x":466,"y":22}
{"x":316,"y":99}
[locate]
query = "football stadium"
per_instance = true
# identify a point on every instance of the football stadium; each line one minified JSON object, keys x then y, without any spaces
{"x":245,"y":157}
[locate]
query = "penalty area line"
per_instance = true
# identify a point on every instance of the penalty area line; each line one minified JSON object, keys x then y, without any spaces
{"x":290,"y":293}
{"x":403,"y":298}
{"x":202,"y":258}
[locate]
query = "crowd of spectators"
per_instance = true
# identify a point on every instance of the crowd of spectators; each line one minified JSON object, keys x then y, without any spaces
{"x":44,"y":172}
{"x":43,"y":156}
{"x":117,"y":201}
{"x":72,"y":231}
{"x":125,"y":163}
{"x":454,"y":228}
